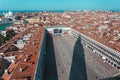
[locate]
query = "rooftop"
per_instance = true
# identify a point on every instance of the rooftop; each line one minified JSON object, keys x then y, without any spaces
{"x":26,"y":58}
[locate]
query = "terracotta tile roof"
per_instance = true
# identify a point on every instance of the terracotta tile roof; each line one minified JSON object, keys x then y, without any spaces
{"x":104,"y":40}
{"x":25,"y":66}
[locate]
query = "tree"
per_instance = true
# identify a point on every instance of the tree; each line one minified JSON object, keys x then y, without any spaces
{"x":10,"y":34}
{"x":2,"y":40}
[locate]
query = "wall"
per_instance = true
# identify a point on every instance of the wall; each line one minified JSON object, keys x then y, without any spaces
{"x":41,"y":60}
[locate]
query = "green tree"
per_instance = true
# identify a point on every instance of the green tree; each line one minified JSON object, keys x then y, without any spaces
{"x":10,"y":34}
{"x":2,"y":40}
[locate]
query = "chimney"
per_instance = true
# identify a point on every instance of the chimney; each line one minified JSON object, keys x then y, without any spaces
{"x":6,"y":71}
{"x":21,"y":70}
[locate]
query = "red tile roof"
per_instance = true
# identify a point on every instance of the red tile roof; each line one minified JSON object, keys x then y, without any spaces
{"x":24,"y":68}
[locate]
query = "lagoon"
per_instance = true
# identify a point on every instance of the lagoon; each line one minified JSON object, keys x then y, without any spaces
{"x":3,"y":27}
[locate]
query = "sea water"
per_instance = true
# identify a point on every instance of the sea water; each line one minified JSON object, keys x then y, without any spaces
{"x":3,"y":27}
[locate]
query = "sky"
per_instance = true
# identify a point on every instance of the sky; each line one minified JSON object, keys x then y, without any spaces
{"x":60,"y":4}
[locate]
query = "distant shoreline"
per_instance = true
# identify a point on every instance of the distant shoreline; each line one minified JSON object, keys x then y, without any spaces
{"x":1,"y":11}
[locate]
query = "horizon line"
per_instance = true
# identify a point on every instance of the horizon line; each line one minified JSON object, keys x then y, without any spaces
{"x":66,"y":10}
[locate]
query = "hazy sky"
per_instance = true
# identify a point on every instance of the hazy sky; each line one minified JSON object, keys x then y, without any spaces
{"x":59,"y":4}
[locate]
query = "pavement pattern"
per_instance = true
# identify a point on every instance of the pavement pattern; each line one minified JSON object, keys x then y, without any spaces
{"x":73,"y":61}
